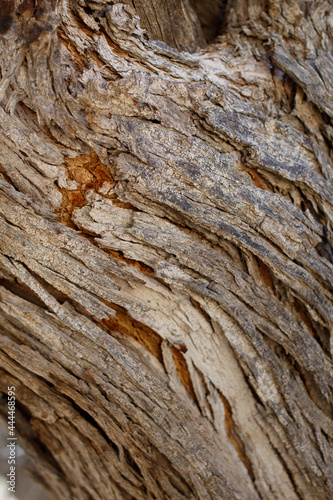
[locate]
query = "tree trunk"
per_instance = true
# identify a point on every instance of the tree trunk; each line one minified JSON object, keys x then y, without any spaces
{"x":166,"y":246}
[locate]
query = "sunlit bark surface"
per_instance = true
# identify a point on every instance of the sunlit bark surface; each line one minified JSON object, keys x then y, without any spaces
{"x":166,"y":246}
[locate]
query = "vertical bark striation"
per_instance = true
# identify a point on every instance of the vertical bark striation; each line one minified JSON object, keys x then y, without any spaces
{"x":166,"y":253}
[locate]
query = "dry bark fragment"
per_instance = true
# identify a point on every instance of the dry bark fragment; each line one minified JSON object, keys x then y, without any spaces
{"x":166,"y":249}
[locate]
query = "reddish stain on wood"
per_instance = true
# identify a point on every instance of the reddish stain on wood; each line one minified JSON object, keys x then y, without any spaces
{"x":258,"y":180}
{"x":126,"y":325}
{"x":182,"y":371}
{"x":89,"y":173}
{"x":266,"y":275}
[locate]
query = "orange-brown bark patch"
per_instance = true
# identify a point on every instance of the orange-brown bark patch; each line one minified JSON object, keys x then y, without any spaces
{"x":181,"y":369}
{"x":89,"y":173}
{"x":266,"y":275}
{"x":143,"y":268}
{"x":130,"y":327}
{"x":80,"y":61}
{"x":258,"y":180}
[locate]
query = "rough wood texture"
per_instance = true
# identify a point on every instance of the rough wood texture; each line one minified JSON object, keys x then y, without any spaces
{"x":166,"y":253}
{"x":173,"y":21}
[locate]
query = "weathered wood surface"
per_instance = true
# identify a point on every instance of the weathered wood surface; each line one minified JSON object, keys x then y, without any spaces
{"x":166,"y":250}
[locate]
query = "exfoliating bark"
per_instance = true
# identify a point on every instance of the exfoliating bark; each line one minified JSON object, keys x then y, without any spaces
{"x":166,"y":247}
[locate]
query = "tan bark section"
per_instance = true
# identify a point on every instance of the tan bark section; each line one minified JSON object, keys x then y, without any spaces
{"x":166,"y":250}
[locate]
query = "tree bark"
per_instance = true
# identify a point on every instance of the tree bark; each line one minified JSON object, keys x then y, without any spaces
{"x":166,"y":246}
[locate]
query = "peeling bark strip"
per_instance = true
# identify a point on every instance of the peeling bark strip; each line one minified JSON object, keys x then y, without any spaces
{"x":166,"y":259}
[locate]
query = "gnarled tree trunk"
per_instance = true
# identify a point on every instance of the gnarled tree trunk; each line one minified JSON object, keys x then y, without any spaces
{"x":166,"y":246}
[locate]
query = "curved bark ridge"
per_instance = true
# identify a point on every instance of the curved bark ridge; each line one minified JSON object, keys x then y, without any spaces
{"x":166,"y":259}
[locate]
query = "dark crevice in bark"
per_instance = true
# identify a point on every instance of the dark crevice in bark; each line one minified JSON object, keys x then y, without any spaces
{"x":251,"y":387}
{"x":272,"y":181}
{"x":7,"y":178}
{"x":197,"y":399}
{"x":287,"y":470}
{"x":317,"y":213}
{"x":57,"y":294}
{"x":152,"y":461}
{"x":313,"y":390}
{"x":21,"y":290}
{"x":202,"y":311}
{"x":211,"y":14}
{"x":132,"y":463}
{"x":13,"y":336}
{"x":318,"y":332}
{"x":81,"y":23}
{"x":310,"y":384}
{"x":274,"y":378}
{"x":324,"y":248}
{"x":87,"y":417}
{"x":177,"y":480}
{"x":234,"y":436}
